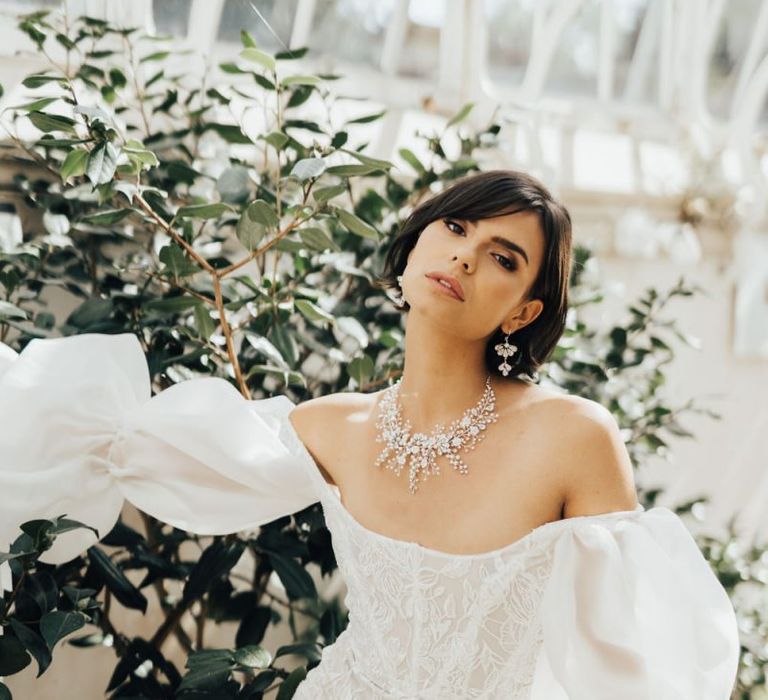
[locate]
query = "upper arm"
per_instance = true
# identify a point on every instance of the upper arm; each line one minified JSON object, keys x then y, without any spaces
{"x":600,"y":477}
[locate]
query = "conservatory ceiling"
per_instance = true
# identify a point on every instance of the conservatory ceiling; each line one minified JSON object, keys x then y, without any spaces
{"x":631,"y":97}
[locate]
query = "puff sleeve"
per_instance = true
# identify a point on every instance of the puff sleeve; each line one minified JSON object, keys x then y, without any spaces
{"x":80,"y":433}
{"x":632,"y":610}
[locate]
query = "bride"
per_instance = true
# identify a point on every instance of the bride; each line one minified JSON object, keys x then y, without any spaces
{"x":487,"y":528}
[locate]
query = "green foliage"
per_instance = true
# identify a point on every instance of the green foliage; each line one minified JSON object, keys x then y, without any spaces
{"x":249,"y":257}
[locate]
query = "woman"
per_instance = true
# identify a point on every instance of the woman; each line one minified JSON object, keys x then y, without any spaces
{"x":524,"y":568}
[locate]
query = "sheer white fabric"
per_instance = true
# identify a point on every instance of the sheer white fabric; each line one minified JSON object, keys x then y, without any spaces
{"x":616,"y":605}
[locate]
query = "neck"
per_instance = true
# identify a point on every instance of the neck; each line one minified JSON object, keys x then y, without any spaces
{"x":444,"y":374}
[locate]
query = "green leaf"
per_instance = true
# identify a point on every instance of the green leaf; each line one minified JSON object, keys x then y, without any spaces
{"x":277,"y":139}
{"x":367,"y":160}
{"x":263,"y":213}
{"x":203,"y":211}
{"x":292,"y":54}
{"x":299,"y":96}
{"x":205,"y":324}
{"x":176,"y":262}
{"x":256,"y":56}
{"x":255,"y":222}
{"x":460,"y":115}
{"x":38,"y":80}
{"x":301,"y":80}
{"x":409,"y":157}
{"x":173,"y":305}
{"x":216,"y":560}
{"x":294,"y":577}
{"x":307,"y":168}
{"x":115,"y":580}
{"x":316,"y":238}
{"x":253,"y":656}
{"x":66,"y":42}
{"x":51,"y":122}
{"x":8,"y":310}
{"x":356,"y":224}
{"x":74,"y":164}
{"x":229,"y":132}
{"x":323,"y":194}
{"x":36,"y":105}
{"x":48,"y":141}
{"x":107,"y":217}
{"x":266,"y":348}
{"x":137,"y":153}
{"x":56,"y":624}
{"x":102,"y":162}
{"x":288,"y":687}
{"x":247,"y":40}
{"x":361,"y":370}
{"x":13,"y":656}
{"x":157,"y":56}
{"x":34,"y":644}
{"x":232,"y":68}
{"x":208,"y":657}
{"x":309,"y":650}
{"x":312,"y":312}
{"x":351,"y":170}
{"x":366,"y":119}
{"x":234,"y":184}
{"x":117,"y":78}
{"x":91,"y":312}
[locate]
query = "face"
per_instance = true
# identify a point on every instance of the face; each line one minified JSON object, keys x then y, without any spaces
{"x":494,"y":276}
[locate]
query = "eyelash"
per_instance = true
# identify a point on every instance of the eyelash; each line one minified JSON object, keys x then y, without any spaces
{"x":512,"y":266}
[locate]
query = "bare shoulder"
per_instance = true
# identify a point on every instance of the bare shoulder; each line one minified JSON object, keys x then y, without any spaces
{"x":315,"y":415}
{"x":598,"y":471}
{"x":320,"y":422}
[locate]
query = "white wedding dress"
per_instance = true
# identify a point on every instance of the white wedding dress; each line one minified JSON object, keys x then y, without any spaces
{"x":616,"y":606}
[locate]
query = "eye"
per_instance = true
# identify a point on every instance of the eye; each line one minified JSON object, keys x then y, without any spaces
{"x":506,"y":263}
{"x":450,"y":223}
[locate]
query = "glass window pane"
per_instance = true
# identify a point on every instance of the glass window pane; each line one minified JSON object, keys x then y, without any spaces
{"x":733,"y":39}
{"x":421,"y":49}
{"x":575,"y":63}
{"x":172,"y":16}
{"x":628,"y":19}
{"x":351,"y":30}
{"x":573,"y":70}
{"x":509,"y":30}
{"x":276,"y":19}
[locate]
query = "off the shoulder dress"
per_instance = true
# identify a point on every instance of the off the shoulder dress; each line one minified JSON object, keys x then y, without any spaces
{"x":616,"y":606}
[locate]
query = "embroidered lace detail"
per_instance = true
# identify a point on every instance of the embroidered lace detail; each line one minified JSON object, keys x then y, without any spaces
{"x":428,"y":624}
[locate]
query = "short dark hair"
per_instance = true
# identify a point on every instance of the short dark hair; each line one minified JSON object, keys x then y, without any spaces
{"x":482,"y":196}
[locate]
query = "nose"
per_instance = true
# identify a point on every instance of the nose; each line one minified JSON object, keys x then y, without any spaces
{"x":465,"y":258}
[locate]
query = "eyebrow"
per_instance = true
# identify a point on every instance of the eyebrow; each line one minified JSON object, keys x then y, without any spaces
{"x":509,"y":245}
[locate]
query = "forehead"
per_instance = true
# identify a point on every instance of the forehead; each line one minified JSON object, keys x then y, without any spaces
{"x":523,"y":223}
{"x":523,"y":228}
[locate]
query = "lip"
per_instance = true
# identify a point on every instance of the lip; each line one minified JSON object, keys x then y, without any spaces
{"x":455,"y":284}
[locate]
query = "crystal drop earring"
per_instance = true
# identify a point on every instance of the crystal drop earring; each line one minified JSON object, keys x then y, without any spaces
{"x":400,"y":302}
{"x":505,"y":350}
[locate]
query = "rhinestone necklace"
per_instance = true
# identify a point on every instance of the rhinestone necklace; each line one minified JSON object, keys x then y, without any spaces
{"x":422,"y":450}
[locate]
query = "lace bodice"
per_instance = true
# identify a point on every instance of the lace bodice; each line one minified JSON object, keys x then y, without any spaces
{"x":443,"y":624}
{"x":615,"y":605}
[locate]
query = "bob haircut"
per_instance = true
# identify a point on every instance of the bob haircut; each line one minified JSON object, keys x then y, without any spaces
{"x":482,"y":196}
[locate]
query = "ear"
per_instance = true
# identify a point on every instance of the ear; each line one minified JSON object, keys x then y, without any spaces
{"x":522,"y":316}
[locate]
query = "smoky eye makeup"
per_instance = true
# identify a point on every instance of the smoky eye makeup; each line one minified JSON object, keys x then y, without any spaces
{"x":505,"y":262}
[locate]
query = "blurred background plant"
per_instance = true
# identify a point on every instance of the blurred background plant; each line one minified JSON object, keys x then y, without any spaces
{"x":239,"y":236}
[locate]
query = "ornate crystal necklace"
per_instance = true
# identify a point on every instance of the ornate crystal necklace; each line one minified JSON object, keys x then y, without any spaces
{"x":422,"y":450}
